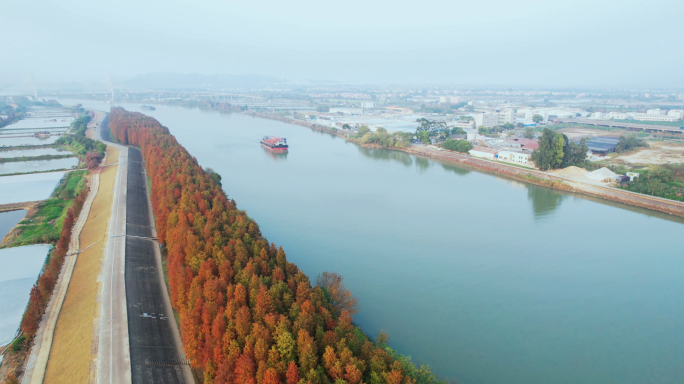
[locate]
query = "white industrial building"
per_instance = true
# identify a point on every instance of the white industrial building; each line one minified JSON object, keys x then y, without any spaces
{"x":617,"y":115}
{"x":470,"y":124}
{"x":368,"y":105}
{"x":678,"y":113}
{"x":651,"y":117}
{"x":515,"y":156}
{"x":484,"y":152}
{"x":488,"y":120}
{"x":507,"y":115}
{"x":347,"y":111}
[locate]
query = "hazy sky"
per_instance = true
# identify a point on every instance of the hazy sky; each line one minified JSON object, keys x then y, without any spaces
{"x":620,"y":43}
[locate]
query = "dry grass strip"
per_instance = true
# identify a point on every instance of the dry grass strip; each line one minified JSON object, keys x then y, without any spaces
{"x":70,"y":357}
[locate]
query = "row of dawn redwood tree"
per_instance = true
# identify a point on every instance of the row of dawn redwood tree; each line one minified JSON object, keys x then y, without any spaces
{"x":247,"y":314}
{"x":42,"y":290}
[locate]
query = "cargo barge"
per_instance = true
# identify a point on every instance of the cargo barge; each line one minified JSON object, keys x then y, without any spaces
{"x":275,"y":143}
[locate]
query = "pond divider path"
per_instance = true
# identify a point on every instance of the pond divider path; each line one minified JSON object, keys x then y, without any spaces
{"x":27,"y":205}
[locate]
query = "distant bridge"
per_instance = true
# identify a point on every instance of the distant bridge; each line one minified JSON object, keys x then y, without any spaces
{"x":231,"y":97}
{"x":628,"y":126}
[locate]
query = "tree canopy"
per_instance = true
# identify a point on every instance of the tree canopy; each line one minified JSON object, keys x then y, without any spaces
{"x":557,"y":151}
{"x":550,"y":152}
{"x":247,"y":314}
{"x":457,"y":145}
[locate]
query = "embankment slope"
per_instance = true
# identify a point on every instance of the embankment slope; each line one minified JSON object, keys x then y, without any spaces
{"x":71,"y":356}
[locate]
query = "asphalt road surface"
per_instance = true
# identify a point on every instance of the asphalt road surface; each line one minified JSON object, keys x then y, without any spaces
{"x":138,"y":339}
{"x":113,"y":361}
{"x":154,"y":356}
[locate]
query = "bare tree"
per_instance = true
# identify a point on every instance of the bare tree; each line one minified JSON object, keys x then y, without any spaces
{"x":339,"y":295}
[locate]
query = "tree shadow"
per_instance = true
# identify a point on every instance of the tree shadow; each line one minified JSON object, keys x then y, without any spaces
{"x":544,"y":201}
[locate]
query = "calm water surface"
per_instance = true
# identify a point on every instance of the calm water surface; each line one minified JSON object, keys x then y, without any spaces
{"x":485,"y":279}
{"x":33,"y":187}
{"x":37,"y":165}
{"x":7,"y":153}
{"x":18,"y":141}
{"x":9,"y":219}
{"x":19,"y":270}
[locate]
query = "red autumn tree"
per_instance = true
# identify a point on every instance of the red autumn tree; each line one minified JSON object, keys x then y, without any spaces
{"x":247,"y":314}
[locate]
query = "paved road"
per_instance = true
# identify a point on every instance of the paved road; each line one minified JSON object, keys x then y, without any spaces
{"x":113,"y":363}
{"x":138,"y":340}
{"x":155,"y":357}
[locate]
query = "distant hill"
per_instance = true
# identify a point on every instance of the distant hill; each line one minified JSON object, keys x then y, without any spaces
{"x":196,"y":80}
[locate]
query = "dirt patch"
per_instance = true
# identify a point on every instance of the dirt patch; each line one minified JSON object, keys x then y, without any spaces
{"x":570,"y":171}
{"x":578,"y":133}
{"x":577,"y":174}
{"x":112,"y":155}
{"x":660,"y":152}
{"x":14,"y":362}
{"x":70,"y":357}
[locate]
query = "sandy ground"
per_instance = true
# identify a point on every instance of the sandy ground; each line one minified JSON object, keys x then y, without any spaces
{"x":576,"y":173}
{"x":70,"y":356}
{"x":573,"y":133}
{"x":112,"y":155}
{"x":661,"y":152}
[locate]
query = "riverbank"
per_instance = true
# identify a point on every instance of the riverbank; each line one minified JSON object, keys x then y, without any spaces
{"x":511,"y":171}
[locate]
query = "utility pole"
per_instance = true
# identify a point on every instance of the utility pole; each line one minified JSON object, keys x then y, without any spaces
{"x":33,"y":87}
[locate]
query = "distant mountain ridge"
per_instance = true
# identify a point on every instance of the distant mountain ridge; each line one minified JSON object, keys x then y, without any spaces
{"x":196,"y":80}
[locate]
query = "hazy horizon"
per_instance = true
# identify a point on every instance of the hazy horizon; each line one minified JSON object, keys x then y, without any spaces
{"x":576,"y":43}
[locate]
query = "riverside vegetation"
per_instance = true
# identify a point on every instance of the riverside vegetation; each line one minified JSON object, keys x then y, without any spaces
{"x":557,"y":151}
{"x":43,"y":224}
{"x":247,"y":315}
{"x":42,"y":290}
{"x":665,"y":181}
{"x":88,"y":150}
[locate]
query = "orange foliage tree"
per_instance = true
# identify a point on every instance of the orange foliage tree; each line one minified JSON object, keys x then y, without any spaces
{"x":247,"y":314}
{"x":42,"y":290}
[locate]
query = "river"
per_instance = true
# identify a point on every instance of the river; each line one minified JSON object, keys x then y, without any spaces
{"x":485,"y":279}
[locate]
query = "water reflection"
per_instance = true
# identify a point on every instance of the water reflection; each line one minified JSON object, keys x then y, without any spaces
{"x":387,"y":155}
{"x":544,"y":201}
{"x":277,"y":156}
{"x":422,"y":163}
{"x":457,"y":170}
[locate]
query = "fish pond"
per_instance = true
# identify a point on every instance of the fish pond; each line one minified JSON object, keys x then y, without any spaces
{"x":31,"y":152}
{"x":37,"y":165}
{"x":19,"y":270}
{"x":9,"y":219}
{"x":34,"y":187}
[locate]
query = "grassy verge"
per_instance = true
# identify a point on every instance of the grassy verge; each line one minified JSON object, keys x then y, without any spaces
{"x":44,"y":225}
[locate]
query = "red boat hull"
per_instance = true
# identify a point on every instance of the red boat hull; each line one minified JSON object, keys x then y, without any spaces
{"x":274,"y":149}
